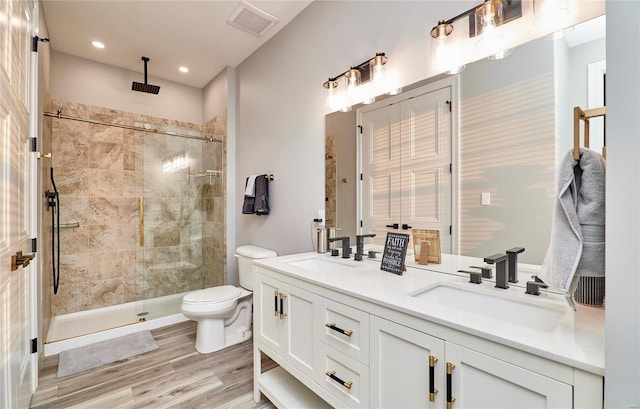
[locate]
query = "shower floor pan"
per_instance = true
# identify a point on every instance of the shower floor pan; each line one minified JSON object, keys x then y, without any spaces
{"x":87,"y":327}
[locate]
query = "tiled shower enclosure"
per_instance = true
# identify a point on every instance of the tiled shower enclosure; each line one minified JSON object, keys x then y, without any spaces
{"x":141,"y":214}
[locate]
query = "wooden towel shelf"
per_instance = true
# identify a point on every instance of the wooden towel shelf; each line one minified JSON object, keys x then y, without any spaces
{"x":578,"y":115}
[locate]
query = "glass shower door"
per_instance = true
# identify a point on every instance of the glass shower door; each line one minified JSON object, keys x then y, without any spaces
{"x":179,"y":181}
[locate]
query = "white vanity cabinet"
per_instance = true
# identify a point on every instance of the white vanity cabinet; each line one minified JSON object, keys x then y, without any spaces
{"x":344,"y":352}
{"x":285,"y":322}
{"x":406,"y":367}
{"x":336,"y":349}
{"x":411,"y":369}
{"x":482,"y":381}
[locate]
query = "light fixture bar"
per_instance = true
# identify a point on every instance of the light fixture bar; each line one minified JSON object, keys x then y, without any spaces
{"x":362,"y":83}
{"x":360,"y":67}
{"x":512,"y":10}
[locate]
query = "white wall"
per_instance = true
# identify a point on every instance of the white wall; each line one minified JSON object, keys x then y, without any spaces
{"x":622,"y":372}
{"x":215,"y":96}
{"x":88,"y":82}
{"x":281,"y":113}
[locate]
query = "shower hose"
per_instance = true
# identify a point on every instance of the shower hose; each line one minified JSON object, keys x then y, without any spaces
{"x":53,"y":203}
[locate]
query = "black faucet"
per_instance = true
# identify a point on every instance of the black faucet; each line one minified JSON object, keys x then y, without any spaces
{"x":500,"y":260}
{"x":512,"y":255}
{"x":360,"y":245}
{"x":346,"y":245}
{"x":533,"y":287}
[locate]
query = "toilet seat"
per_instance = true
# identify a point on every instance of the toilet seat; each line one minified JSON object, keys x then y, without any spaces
{"x":213,"y":295}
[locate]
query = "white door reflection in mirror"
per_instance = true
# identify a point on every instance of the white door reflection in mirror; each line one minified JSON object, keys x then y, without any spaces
{"x":406,"y":157}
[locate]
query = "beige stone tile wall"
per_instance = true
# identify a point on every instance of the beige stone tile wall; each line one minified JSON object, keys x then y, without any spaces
{"x":214,"y":237}
{"x":101,"y":173}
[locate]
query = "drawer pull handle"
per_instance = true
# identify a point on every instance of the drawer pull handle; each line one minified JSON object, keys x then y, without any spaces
{"x":332,"y":375}
{"x":432,"y":374}
{"x":332,"y":325}
{"x":275,"y":303}
{"x":450,"y":398}
{"x":282,"y":297}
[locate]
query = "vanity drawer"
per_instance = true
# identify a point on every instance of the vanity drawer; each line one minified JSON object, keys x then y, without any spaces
{"x":346,"y":329}
{"x":343,"y":377}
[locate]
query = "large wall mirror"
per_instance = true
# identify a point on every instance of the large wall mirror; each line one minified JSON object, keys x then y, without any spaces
{"x":515,"y":125}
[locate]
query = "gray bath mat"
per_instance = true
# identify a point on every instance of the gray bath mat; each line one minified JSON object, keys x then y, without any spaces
{"x":104,"y":352}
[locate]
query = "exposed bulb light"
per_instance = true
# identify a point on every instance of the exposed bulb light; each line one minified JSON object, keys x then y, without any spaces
{"x":334,"y":99}
{"x":550,"y":14}
{"x":183,"y":69}
{"x":489,"y":17}
{"x":97,"y":44}
{"x":353,"y":79}
{"x":379,"y":79}
{"x":443,"y":54}
{"x":330,"y":93}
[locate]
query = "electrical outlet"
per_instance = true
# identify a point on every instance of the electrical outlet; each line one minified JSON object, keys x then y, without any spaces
{"x":486,"y":199}
{"x":321,"y":217}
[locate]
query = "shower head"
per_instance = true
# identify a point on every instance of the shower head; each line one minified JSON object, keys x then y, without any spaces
{"x":148,"y":88}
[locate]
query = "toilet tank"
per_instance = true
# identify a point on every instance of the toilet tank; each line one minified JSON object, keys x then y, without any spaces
{"x":246,"y":254}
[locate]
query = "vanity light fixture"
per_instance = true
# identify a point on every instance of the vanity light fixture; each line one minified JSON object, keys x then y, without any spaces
{"x":484,"y":23}
{"x":362,"y":83}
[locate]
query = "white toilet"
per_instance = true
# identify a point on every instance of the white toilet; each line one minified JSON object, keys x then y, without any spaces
{"x":224,"y":313}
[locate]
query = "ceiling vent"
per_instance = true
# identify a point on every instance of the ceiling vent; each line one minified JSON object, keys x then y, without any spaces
{"x":251,"y":19}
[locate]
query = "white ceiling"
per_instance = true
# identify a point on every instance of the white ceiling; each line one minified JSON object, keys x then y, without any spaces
{"x":171,"y":33}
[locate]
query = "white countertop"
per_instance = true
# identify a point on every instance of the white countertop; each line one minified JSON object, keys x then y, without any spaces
{"x":577,"y":341}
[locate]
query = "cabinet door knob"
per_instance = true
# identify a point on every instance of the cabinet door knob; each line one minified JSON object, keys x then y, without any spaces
{"x":432,"y":381}
{"x":393,"y":226}
{"x":405,"y":226}
{"x":332,"y":325}
{"x":332,"y":375}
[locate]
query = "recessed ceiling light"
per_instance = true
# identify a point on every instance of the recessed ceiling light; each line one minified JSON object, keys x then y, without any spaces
{"x":184,"y":69}
{"x":97,"y":44}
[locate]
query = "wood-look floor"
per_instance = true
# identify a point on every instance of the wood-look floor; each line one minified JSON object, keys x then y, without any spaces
{"x":173,"y":376}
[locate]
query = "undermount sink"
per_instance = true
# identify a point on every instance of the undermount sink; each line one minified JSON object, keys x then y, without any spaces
{"x":534,"y":313}
{"x":321,"y":265}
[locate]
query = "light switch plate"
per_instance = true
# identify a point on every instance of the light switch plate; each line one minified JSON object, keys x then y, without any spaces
{"x":486,"y":199}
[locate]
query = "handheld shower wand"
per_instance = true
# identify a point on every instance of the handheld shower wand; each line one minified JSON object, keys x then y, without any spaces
{"x":53,"y":202}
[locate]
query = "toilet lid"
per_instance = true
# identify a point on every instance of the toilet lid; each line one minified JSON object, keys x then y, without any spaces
{"x":213,"y":294}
